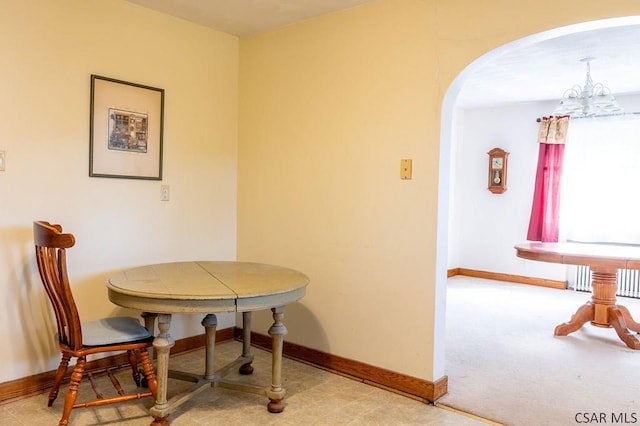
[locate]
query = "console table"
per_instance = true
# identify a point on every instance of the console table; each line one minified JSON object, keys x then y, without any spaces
{"x":209,"y":287}
{"x":604,"y":262}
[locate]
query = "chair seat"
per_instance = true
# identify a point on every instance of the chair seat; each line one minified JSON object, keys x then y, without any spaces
{"x":109,"y":331}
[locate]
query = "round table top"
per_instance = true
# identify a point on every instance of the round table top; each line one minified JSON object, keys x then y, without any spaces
{"x":206,"y":286}
{"x":605,"y":256}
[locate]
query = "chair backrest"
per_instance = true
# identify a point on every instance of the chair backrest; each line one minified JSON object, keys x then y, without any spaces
{"x":51,"y":245}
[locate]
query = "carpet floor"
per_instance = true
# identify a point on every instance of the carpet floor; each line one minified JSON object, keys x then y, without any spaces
{"x":504,"y":363}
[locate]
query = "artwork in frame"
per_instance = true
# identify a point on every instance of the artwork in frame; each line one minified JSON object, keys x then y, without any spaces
{"x":126,"y":124}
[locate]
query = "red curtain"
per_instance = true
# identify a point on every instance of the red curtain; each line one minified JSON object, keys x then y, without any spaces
{"x":545,"y":210}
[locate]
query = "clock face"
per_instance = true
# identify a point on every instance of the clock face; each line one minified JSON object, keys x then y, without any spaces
{"x":496,"y":163}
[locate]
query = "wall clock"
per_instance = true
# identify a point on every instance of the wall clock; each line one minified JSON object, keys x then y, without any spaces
{"x":497,"y":170}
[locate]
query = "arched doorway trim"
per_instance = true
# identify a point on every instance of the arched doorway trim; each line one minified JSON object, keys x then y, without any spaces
{"x":446,"y":138}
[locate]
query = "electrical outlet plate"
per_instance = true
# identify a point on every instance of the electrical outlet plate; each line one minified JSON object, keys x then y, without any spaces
{"x":164,"y":193}
{"x":2,"y":161}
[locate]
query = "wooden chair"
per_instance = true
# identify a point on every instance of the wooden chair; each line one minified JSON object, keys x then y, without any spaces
{"x":77,"y":339}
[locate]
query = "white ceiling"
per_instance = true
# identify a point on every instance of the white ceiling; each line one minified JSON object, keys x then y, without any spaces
{"x":246,"y":17}
{"x":541,"y":71}
{"x":544,"y":70}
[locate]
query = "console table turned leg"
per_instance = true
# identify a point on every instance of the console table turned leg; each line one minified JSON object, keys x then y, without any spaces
{"x":246,"y":344}
{"x":277,"y":333}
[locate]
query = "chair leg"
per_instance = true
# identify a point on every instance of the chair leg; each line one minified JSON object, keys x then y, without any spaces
{"x":62,"y":368}
{"x":133,"y":362}
{"x":72,"y":394}
{"x":147,"y":369}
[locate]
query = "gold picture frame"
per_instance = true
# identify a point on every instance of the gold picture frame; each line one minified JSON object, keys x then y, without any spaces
{"x":126,"y":126}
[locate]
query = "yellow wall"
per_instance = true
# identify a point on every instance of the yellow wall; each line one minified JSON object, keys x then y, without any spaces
{"x":328,"y":107}
{"x":48,"y":51}
{"x":323,"y":110}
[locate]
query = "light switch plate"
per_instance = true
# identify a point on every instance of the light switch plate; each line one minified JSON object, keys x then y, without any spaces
{"x":405,"y":169}
{"x":2,"y":161}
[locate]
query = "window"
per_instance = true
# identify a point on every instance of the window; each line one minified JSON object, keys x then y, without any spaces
{"x":600,"y":198}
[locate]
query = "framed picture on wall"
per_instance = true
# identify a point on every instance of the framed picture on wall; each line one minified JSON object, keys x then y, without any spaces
{"x":126,"y":123}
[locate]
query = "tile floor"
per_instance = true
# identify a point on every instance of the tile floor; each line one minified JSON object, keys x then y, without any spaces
{"x":314,"y":397}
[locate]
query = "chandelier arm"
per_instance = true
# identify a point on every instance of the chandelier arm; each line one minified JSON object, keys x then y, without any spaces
{"x":588,"y":100}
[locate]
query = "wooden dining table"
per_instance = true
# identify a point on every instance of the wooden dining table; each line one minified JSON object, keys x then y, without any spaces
{"x":209,"y":287}
{"x":604,"y":260}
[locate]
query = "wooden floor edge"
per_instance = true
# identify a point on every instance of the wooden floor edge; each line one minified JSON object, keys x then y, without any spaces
{"x":521,"y":279}
{"x":38,"y":383}
{"x":412,"y":387}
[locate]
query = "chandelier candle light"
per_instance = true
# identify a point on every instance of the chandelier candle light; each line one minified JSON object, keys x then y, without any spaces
{"x":588,"y":101}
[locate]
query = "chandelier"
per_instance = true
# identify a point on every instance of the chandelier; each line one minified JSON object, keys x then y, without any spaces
{"x":588,"y":101}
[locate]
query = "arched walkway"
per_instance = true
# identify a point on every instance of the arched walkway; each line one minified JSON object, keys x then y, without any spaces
{"x":446,"y":140}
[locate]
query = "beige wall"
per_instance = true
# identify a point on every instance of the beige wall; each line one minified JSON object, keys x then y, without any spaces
{"x":49,"y":49}
{"x":328,"y":108}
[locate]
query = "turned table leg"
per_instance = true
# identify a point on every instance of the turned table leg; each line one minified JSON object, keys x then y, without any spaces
{"x":246,"y":344}
{"x":602,"y":310}
{"x":277,"y":333}
{"x":607,"y":313}
{"x":604,"y":287}
{"x":162,"y":344}
{"x":150,"y":324}
{"x":210,"y":324}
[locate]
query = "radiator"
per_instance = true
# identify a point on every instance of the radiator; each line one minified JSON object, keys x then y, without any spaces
{"x":628,"y":281}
